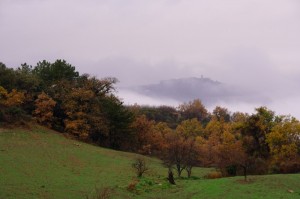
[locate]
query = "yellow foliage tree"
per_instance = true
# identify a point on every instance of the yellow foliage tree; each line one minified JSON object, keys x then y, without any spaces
{"x":190,"y":128}
{"x":14,"y":98}
{"x":284,"y":141}
{"x":3,"y":95}
{"x":77,"y":105}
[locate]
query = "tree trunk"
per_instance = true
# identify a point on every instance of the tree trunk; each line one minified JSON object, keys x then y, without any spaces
{"x":179,"y":170}
{"x":245,"y":172}
{"x":171,"y":177}
{"x":189,"y":171}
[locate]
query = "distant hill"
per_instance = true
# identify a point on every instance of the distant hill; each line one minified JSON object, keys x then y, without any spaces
{"x":206,"y":89}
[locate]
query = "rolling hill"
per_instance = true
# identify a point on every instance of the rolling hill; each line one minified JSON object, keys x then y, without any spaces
{"x":40,"y":163}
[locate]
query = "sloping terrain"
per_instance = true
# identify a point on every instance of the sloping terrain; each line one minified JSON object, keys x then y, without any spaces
{"x":40,"y":163}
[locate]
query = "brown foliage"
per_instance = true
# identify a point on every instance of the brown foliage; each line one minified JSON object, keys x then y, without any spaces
{"x":213,"y":175}
{"x":180,"y":152}
{"x":44,"y":109}
{"x":148,"y":135}
{"x":14,"y":98}
{"x":132,"y":185}
{"x":193,"y":109}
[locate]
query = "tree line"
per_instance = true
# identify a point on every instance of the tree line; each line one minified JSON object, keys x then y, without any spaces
{"x":234,"y":143}
{"x":57,"y":96}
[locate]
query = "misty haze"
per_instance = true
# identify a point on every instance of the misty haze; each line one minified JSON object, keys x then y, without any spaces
{"x":149,"y":99}
{"x":250,"y":46}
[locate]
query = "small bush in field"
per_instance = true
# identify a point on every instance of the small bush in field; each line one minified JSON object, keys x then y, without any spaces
{"x":140,"y":166}
{"x":132,"y":186}
{"x":213,"y":175}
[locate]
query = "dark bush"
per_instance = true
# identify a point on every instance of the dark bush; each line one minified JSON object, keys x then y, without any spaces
{"x":140,"y":166}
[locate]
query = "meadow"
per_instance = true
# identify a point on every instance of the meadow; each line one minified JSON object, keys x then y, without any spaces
{"x":40,"y":163}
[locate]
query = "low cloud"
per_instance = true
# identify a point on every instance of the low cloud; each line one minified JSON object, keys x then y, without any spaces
{"x":250,"y":44}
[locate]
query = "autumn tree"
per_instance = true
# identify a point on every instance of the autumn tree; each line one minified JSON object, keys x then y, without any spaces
{"x":166,"y":114}
{"x":143,"y":133}
{"x":10,"y":104}
{"x":160,"y":131}
{"x":140,"y":166}
{"x":192,"y":156}
{"x":255,"y":132}
{"x":284,"y":143}
{"x":163,"y":128}
{"x":181,"y":152}
{"x":14,"y":98}
{"x":216,"y":127}
{"x":76,"y":106}
{"x":189,"y":128}
{"x":221,"y":114}
{"x":226,"y":154}
{"x":3,"y":96}
{"x":174,"y":152}
{"x":44,"y":109}
{"x":208,"y":149}
{"x":193,"y":109}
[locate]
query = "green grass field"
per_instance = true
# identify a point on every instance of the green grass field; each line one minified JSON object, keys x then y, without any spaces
{"x":39,"y":163}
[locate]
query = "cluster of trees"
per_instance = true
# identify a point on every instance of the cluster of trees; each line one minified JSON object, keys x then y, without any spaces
{"x":235,"y":143}
{"x":57,"y":96}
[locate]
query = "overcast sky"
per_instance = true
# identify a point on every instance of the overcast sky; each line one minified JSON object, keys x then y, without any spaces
{"x":250,"y":43}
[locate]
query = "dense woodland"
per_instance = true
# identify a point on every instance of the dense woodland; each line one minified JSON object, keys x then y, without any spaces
{"x":57,"y":96}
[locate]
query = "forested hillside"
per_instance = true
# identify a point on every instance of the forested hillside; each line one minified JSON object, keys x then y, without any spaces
{"x":57,"y":96}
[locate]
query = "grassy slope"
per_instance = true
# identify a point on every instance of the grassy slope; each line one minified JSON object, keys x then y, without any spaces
{"x":44,"y":164}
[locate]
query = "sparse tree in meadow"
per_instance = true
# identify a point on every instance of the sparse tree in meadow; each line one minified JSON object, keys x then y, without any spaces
{"x":175,"y":152}
{"x":192,"y":157}
{"x":181,"y":152}
{"x":140,"y":166}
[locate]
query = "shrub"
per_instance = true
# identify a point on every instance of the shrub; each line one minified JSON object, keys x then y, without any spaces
{"x":231,"y":170}
{"x":132,"y":186}
{"x":213,"y":175}
{"x":140,"y":166}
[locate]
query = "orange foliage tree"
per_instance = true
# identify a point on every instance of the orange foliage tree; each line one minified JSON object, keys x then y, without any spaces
{"x":44,"y":109}
{"x":77,"y":105}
